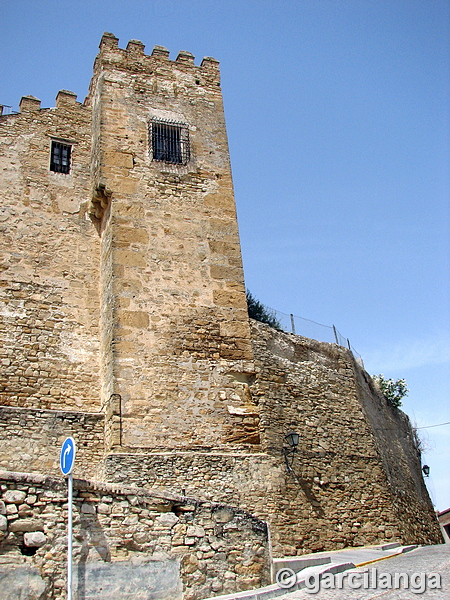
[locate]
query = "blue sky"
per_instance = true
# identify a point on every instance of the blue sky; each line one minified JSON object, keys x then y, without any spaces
{"x":338,"y":121}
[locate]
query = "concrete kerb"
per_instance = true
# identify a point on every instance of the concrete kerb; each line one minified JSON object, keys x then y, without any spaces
{"x":275,"y":590}
{"x":311,"y":565}
{"x":399,"y":550}
{"x":298,"y":563}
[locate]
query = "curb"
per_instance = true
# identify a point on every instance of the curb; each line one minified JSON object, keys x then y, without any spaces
{"x":320,"y":566}
{"x":401,"y":550}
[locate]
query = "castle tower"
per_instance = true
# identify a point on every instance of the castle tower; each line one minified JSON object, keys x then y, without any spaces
{"x":176,"y":354}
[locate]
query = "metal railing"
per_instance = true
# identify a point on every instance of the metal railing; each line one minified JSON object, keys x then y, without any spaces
{"x":6,"y":110}
{"x":291,"y":323}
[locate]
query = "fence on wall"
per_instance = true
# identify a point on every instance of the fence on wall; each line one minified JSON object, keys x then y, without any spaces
{"x":6,"y":110}
{"x":311,"y":329}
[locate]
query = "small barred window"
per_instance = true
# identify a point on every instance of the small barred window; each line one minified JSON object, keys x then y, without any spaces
{"x":170,"y":142}
{"x":60,"y":157}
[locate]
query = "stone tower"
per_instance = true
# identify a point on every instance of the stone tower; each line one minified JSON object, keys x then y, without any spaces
{"x":175,"y":336}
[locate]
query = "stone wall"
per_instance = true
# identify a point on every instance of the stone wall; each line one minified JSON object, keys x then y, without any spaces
{"x":357,"y":474}
{"x":124,"y":324}
{"x":49,"y":261}
{"x":126,"y":542}
{"x":31,"y":439}
{"x":355,"y":479}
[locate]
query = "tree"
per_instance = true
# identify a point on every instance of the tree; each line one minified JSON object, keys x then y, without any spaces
{"x":259,"y":312}
{"x":392,"y":390}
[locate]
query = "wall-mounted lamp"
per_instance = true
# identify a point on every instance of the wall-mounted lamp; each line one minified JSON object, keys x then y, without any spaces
{"x":291,"y":440}
{"x":426,"y":470}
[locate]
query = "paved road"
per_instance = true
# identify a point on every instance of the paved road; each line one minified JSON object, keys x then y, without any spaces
{"x":426,"y":560}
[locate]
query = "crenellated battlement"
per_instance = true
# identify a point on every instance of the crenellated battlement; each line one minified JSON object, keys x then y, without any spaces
{"x":133,"y":56}
{"x":30,"y":104}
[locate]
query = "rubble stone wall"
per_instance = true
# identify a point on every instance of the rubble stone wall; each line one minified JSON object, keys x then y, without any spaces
{"x":126,"y":542}
{"x":31,"y":439}
{"x":355,"y":478}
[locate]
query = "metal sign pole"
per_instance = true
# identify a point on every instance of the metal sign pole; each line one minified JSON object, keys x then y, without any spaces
{"x":66,"y":462}
{"x":69,"y":536}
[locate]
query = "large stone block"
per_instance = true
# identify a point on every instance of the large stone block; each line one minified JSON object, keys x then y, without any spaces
{"x":23,"y":525}
{"x":25,"y":583}
{"x":34,"y":539}
{"x":3,"y":523}
{"x":14,"y":496}
{"x":139,"y":580}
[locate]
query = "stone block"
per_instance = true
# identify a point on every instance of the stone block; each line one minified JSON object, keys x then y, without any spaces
{"x":229,"y":299}
{"x":134,"y":318}
{"x":3,"y":523}
{"x":118,"y":159}
{"x":238,"y":329}
{"x":34,"y":539}
{"x":195,"y":531}
{"x":23,"y":582}
{"x":103,"y":509}
{"x":14,"y":496}
{"x":88,"y":509}
{"x":168,"y":519}
{"x":129,"y":258}
{"x":23,"y":525}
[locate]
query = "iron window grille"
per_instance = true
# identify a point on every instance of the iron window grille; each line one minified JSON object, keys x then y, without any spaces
{"x":170,"y":142}
{"x":60,"y":157}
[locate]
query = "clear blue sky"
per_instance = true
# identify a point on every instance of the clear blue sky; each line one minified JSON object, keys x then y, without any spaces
{"x":338,"y":121}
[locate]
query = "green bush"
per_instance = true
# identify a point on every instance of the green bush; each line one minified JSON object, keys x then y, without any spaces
{"x":392,"y":390}
{"x":259,"y":312}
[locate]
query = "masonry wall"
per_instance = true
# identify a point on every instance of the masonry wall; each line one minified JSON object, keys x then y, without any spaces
{"x":126,"y":543}
{"x":31,"y":439}
{"x":340,"y":490}
{"x":357,"y":474}
{"x":49,"y":257}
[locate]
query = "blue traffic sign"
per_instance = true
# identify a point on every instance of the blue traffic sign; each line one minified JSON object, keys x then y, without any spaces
{"x":67,"y":457}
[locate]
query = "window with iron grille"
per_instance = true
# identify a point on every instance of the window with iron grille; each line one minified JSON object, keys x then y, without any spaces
{"x":170,"y":142}
{"x":60,"y":157}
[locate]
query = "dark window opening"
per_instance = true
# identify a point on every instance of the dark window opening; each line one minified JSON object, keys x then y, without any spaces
{"x":170,"y":142}
{"x":60,"y":157}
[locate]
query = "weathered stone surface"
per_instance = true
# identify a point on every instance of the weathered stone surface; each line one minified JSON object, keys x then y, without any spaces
{"x":14,"y":496}
{"x":3,"y":523}
{"x":34,"y":539}
{"x":140,"y":580}
{"x":195,"y":531}
{"x":88,"y":509}
{"x":138,"y":541}
{"x":169,"y":519}
{"x":24,"y":582}
{"x":22,"y":525}
{"x":31,"y":438}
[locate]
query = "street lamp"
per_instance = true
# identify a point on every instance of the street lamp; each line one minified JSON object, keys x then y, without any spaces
{"x":291,"y":440}
{"x":426,"y":470}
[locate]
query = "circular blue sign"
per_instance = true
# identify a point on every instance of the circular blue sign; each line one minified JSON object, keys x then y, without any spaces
{"x":67,"y":457}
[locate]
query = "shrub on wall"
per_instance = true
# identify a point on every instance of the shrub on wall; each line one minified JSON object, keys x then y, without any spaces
{"x":392,"y":390}
{"x":258,"y":311}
